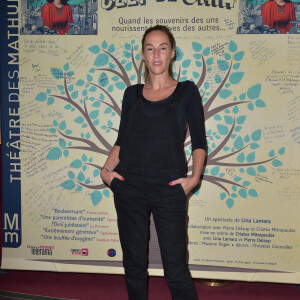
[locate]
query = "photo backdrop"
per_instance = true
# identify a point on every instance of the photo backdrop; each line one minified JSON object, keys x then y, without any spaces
{"x":61,"y":104}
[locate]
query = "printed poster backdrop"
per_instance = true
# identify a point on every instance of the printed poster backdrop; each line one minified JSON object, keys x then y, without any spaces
{"x":62,"y":98}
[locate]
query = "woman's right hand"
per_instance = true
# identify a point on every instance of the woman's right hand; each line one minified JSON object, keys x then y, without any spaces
{"x":107,"y":177}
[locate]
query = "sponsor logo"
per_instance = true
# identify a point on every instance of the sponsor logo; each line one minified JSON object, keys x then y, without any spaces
{"x":40,"y":250}
{"x":111,"y":252}
{"x":82,"y":252}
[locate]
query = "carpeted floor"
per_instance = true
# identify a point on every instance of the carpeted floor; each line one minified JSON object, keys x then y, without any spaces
{"x":111,"y":287}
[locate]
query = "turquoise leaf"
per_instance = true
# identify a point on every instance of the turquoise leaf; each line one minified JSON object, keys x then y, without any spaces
{"x":236,"y":66}
{"x":96,"y":104}
{"x":239,"y":55}
{"x":214,"y":171}
{"x":198,"y":64}
{"x":79,"y":120}
{"x":253,"y":193}
{"x":96,"y":173}
{"x":243,"y":193}
{"x":228,"y":120}
{"x":104,"y":45}
{"x":54,"y":153}
{"x":94,"y":114}
{"x":95,"y":49}
{"x":229,"y":202}
{"x":227,"y":56}
{"x":254,"y":146}
{"x":77,"y":163}
{"x":96,"y":197}
{"x":101,"y":60}
{"x":80,"y":176}
{"x":261,"y":169}
{"x":196,"y":46}
{"x":250,"y":157}
{"x":120,"y":85}
{"x":222,"y":196}
{"x":84,"y":157}
{"x":251,"y":171}
{"x":217,"y":118}
{"x":197,"y":56}
{"x":106,"y":193}
{"x":74,"y":95}
{"x":52,"y":130}
{"x":238,"y":143}
{"x":223,"y":65}
{"x":68,"y":185}
{"x":41,"y":97}
{"x":241,"y":157}
{"x":57,"y":73}
{"x":222,"y":129}
{"x":242,"y":96}
{"x":71,"y":175}
{"x":107,"y":110}
{"x":281,"y":151}
{"x":186,"y":63}
{"x":237,"y":178}
{"x":93,"y":89}
{"x":62,"y":125}
{"x":225,"y":93}
{"x":260,"y":103}
{"x":240,"y":120}
{"x":66,"y":153}
{"x":276,"y":163}
{"x":103,"y":79}
{"x":127,"y":54}
{"x":246,"y":183}
{"x":210,"y":61}
{"x":50,"y":101}
{"x":254,"y":91}
{"x":111,"y":48}
{"x":218,"y":79}
{"x":236,"y":77}
{"x":78,"y":189}
{"x":206,"y":51}
{"x":232,"y":46}
{"x":250,"y":106}
{"x":271,"y":153}
{"x":62,"y":143}
{"x":128,"y":67}
{"x":256,"y":135}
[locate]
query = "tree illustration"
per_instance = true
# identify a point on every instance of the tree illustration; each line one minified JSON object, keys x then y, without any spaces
{"x":93,"y":105}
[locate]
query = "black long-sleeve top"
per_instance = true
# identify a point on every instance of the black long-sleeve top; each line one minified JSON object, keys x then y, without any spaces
{"x":189,"y":111}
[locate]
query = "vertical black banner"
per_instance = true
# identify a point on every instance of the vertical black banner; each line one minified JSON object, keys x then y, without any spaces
{"x":10,"y":125}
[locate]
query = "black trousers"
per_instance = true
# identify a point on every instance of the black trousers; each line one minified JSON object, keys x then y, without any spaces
{"x":140,"y":193}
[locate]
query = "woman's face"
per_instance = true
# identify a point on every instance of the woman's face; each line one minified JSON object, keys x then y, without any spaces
{"x":157,"y":52}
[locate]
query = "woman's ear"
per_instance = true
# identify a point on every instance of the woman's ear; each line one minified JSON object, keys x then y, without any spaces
{"x":173,"y":53}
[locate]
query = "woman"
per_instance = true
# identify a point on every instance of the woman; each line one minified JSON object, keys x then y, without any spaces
{"x":278,"y":14}
{"x":56,"y":14}
{"x":146,"y":167}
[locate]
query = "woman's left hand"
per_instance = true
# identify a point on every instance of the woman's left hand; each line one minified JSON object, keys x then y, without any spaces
{"x":186,"y":183}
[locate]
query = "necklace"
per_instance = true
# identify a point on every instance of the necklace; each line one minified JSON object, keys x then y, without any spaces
{"x":59,"y":10}
{"x":280,"y":8}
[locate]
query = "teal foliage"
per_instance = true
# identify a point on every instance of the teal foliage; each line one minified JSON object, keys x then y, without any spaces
{"x":55,"y":153}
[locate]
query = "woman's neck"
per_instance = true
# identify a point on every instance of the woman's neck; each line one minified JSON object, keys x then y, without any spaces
{"x":280,"y":2}
{"x":157,"y":82}
{"x":57,"y":3}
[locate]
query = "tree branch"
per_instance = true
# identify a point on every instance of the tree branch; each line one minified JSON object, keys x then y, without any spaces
{"x":124,"y":75}
{"x":115,"y":106}
{"x":209,"y":102}
{"x":202,"y":77}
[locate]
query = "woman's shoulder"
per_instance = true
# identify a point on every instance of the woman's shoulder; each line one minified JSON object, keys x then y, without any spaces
{"x":270,"y":3}
{"x":48,"y":6}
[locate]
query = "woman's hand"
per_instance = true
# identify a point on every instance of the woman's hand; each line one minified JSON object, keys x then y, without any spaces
{"x":107,"y":176}
{"x":187,"y":183}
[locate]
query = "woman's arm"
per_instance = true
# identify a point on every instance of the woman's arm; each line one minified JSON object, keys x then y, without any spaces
{"x":107,"y":174}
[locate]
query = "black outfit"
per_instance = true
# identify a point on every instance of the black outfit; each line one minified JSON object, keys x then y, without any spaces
{"x":151,"y":155}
